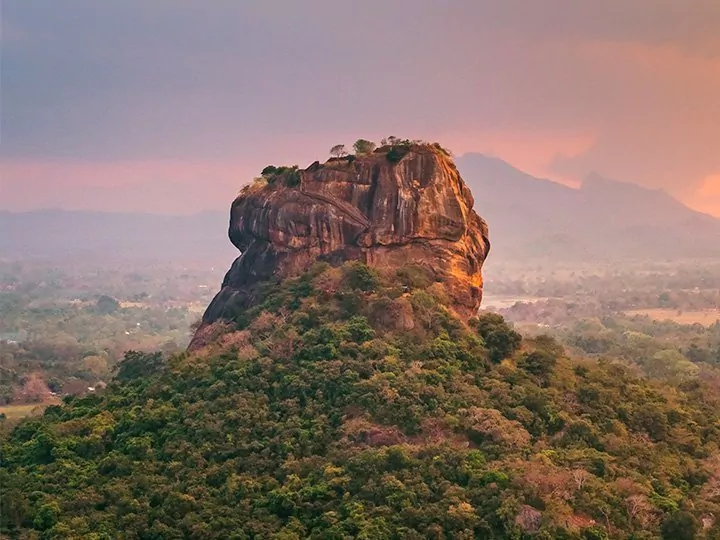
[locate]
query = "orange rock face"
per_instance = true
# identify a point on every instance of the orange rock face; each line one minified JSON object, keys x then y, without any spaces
{"x":413,"y":208}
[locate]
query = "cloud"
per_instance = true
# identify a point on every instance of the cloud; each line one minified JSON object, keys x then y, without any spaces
{"x":269,"y":80}
{"x":658,"y":119}
{"x":707,"y":198}
{"x":129,"y":186}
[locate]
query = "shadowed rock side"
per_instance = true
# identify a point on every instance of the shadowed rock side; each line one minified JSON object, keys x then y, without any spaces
{"x":386,"y":214}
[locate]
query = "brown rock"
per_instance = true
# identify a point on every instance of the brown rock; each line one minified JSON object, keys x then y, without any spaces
{"x":384,"y":212}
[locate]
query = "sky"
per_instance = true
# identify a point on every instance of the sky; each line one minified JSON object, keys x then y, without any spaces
{"x":170,"y":106}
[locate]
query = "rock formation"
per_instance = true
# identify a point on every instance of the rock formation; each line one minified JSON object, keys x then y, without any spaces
{"x":398,"y":205}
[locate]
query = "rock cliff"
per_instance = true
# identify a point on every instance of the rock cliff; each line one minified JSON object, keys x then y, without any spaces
{"x":395,"y":206}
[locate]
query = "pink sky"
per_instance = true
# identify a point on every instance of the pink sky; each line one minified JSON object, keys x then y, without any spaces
{"x":188,"y":187}
{"x":171,"y":107}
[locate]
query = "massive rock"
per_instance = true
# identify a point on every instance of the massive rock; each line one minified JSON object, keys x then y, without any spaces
{"x":396,"y":206}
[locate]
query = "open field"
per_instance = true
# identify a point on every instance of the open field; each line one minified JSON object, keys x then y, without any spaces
{"x":21,"y":411}
{"x":496,"y":302}
{"x":705,"y":317}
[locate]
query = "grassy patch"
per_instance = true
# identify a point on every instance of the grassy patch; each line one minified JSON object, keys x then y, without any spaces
{"x":31,"y":409}
{"x":705,"y":317}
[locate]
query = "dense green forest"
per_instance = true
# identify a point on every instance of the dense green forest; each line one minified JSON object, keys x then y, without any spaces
{"x":349,"y":403}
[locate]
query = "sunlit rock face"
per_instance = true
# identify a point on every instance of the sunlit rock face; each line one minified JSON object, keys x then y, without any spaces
{"x":386,"y":209}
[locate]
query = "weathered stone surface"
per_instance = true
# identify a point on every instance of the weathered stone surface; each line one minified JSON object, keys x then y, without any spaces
{"x":386,"y":214}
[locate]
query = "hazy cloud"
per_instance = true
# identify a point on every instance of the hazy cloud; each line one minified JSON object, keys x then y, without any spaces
{"x":236,"y":84}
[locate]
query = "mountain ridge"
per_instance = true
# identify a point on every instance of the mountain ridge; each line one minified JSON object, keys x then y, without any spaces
{"x":530,"y":217}
{"x":611,"y":219}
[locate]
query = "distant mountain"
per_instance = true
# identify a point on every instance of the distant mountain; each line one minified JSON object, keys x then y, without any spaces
{"x":99,"y":235}
{"x":532,"y":217}
{"x":527,"y":216}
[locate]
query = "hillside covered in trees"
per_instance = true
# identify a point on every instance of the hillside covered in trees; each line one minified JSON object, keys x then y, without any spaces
{"x":341,"y":385}
{"x":352,"y":403}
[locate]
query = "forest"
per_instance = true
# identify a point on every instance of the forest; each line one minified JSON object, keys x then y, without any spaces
{"x":353,"y":403}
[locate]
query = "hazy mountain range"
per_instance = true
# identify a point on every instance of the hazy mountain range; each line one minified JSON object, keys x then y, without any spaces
{"x":531,"y":217}
{"x":528,"y":218}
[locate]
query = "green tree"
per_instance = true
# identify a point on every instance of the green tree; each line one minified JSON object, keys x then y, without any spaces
{"x":338,"y":151}
{"x":680,"y":526}
{"x":270,"y":170}
{"x":136,"y":365}
{"x":363,"y":147}
{"x":107,"y":305}
{"x":670,"y":364}
{"x":361,"y":276}
{"x":500,"y":339}
{"x":46,"y":516}
{"x":95,"y":364}
{"x":538,"y":363}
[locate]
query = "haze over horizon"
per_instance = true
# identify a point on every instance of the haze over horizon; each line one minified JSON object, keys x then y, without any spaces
{"x":170,"y":107}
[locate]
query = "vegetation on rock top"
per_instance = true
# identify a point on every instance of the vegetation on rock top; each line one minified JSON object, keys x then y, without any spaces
{"x":393,"y":148}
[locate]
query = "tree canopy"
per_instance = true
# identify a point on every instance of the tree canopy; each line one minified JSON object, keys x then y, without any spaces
{"x":338,"y":151}
{"x":351,"y":403}
{"x":363,"y":146}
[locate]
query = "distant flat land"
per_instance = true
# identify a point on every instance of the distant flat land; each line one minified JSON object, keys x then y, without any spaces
{"x":503,"y":302}
{"x":706,"y":317}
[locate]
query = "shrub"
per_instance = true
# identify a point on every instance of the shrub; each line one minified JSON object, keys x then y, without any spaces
{"x":359,"y":329}
{"x":137,"y":365}
{"x":594,"y":533}
{"x":538,"y":363}
{"x":293,"y":177}
{"x":415,"y":276}
{"x":107,"y":305}
{"x":290,"y":175}
{"x":679,"y":526}
{"x":396,"y":153}
{"x":361,"y":276}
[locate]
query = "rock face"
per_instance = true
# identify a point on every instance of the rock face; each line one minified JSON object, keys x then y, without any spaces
{"x":387,"y":209}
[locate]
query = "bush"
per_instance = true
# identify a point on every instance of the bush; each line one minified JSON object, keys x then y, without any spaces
{"x":396,"y":153}
{"x":137,"y":365}
{"x":361,"y":276}
{"x":680,"y":526}
{"x":594,"y":533}
{"x":107,"y":305}
{"x":415,"y":276}
{"x":291,"y":176}
{"x":359,"y":329}
{"x":538,"y":363}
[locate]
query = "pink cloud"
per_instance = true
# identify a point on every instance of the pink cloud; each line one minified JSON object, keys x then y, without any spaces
{"x":707,"y":198}
{"x":139,"y":186}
